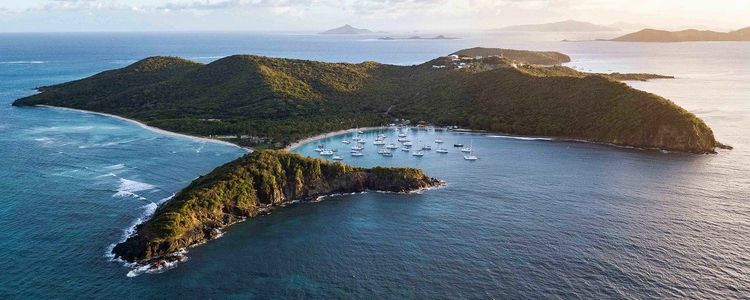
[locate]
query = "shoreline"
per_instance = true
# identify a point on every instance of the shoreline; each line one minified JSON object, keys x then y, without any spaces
{"x":147,"y":127}
{"x":301,"y":142}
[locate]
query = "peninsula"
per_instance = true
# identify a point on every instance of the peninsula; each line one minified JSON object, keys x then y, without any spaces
{"x":690,"y":35}
{"x":272,"y":102}
{"x":564,"y":26}
{"x":247,"y":187}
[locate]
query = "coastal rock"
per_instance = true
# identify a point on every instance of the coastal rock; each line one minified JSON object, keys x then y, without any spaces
{"x":250,"y":186}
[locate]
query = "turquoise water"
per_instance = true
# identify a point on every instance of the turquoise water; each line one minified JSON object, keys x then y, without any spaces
{"x":529,"y":219}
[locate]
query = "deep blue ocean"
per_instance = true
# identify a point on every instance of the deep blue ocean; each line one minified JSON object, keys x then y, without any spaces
{"x":531,"y":218}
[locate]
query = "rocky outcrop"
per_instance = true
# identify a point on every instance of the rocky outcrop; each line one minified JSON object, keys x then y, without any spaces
{"x":250,"y":186}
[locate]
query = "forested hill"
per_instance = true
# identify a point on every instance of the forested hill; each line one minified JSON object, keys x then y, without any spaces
{"x":278,"y":101}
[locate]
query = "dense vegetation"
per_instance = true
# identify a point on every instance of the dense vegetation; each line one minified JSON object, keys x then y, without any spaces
{"x":521,"y":56}
{"x":277,"y":101}
{"x":246,"y":187}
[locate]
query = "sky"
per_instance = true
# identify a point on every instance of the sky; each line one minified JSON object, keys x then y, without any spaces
{"x":388,"y":15}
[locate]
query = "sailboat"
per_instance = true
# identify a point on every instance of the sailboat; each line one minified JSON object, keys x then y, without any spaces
{"x":471,"y":155}
{"x":345,"y":141}
{"x":418,"y":153}
{"x":326,"y":152}
{"x":468,"y":149}
{"x":442,"y":150}
{"x":337,"y":157}
{"x":438,"y":141}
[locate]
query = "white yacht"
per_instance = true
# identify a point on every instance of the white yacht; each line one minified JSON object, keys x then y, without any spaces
{"x":337,"y":157}
{"x":427,"y":147}
{"x":471,"y":155}
{"x":357,"y":148}
{"x":392,"y":146}
{"x":442,"y":150}
{"x":378,"y":142}
{"x":402,"y":135}
{"x":408,"y":144}
{"x":357,"y":153}
{"x":403,"y":139}
{"x":418,"y":153}
{"x":345,"y":141}
{"x":326,"y":152}
{"x":438,"y":141}
{"x":405,"y":149}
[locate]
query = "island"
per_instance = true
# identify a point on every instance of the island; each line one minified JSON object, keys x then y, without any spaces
{"x":268,"y":102}
{"x":260,"y":101}
{"x":564,"y":26}
{"x":347,"y":29}
{"x":416,"y":37}
{"x":690,"y":35}
{"x":247,"y":187}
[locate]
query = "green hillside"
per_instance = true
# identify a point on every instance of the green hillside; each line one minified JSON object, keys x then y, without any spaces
{"x":277,"y":101}
{"x":249,"y":186}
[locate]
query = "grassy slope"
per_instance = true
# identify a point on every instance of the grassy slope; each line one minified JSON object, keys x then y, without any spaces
{"x":242,"y":188}
{"x":287,"y":99}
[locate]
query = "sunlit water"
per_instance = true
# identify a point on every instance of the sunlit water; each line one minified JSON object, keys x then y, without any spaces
{"x":529,"y":219}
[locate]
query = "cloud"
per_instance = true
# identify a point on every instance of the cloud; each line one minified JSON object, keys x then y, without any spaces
{"x":81,"y":5}
{"x":284,"y":5}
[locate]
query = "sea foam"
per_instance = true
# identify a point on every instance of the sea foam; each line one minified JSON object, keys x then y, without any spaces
{"x":128,"y":188}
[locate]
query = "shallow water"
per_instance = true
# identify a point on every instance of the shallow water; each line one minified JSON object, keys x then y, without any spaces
{"x":529,"y":219}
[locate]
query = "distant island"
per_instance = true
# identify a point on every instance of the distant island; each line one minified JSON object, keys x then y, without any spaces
{"x":247,"y":187}
{"x":347,"y":29}
{"x":439,"y":37}
{"x":690,"y":35}
{"x":564,"y":26}
{"x":271,"y":102}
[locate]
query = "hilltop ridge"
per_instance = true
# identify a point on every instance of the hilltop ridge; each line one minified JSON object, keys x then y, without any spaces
{"x":689,"y":35}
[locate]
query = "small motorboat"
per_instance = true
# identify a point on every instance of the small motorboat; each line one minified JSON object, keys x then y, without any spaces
{"x":345,"y":141}
{"x":405,"y":149}
{"x":337,"y":157}
{"x":326,"y":152}
{"x":392,"y":146}
{"x":438,"y":141}
{"x":408,"y":144}
{"x":470,"y":157}
{"x":357,"y":153}
{"x":427,"y":147}
{"x":458,"y":145}
{"x":442,"y":150}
